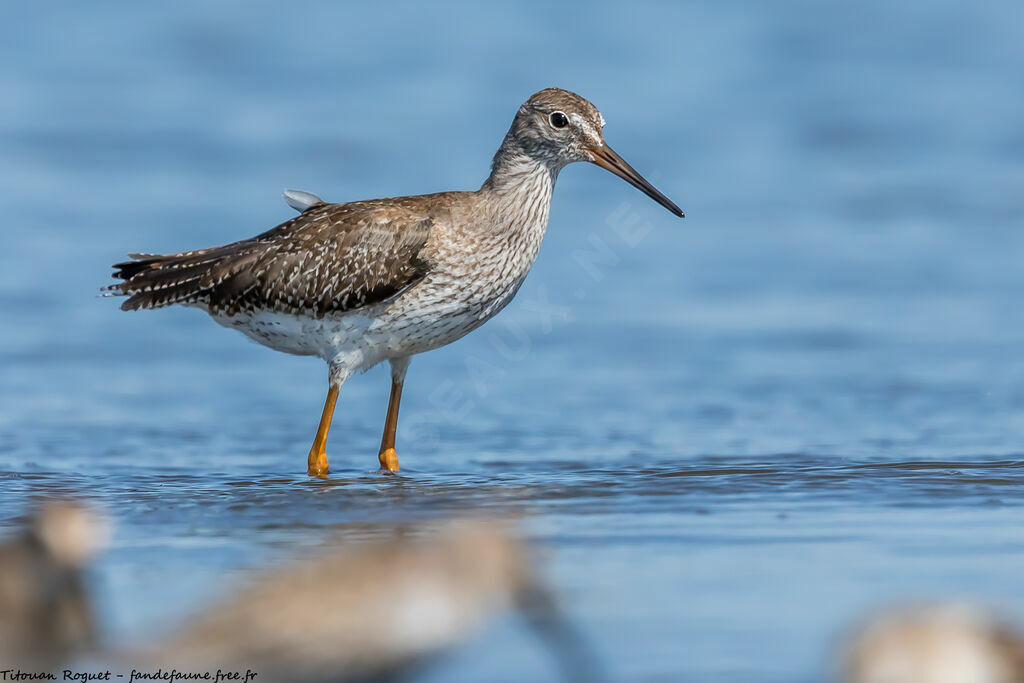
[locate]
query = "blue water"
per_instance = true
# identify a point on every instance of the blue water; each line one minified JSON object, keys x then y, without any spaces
{"x":731,"y":434}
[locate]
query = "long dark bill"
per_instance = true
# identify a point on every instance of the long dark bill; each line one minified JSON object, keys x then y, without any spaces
{"x":606,"y":158}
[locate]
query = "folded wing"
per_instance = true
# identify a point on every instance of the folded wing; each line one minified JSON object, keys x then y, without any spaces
{"x":330,"y":259}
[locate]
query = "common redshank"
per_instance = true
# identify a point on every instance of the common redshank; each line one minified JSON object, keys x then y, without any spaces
{"x":943,"y":642}
{"x":377,"y":611}
{"x":46,"y":615}
{"x":385,"y":279}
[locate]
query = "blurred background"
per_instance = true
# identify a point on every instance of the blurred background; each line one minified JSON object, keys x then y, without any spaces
{"x":729,"y":434}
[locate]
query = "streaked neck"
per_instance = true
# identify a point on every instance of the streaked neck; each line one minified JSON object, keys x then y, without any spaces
{"x":514,"y":172}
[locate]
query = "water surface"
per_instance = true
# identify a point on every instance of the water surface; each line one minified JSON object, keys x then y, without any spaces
{"x":731,"y":435}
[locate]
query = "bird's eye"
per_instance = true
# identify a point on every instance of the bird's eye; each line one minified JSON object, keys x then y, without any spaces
{"x":558,"y":119}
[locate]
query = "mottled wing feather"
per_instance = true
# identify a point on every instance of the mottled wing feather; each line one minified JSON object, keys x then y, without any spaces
{"x":331,"y":259}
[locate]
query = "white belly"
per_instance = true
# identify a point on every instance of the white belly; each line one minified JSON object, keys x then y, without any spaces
{"x":429,"y":315}
{"x":473,"y":276}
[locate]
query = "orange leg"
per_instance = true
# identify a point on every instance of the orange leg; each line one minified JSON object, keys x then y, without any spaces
{"x":388,"y":457}
{"x":317,"y":454}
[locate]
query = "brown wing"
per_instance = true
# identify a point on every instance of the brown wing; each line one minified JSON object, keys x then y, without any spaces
{"x":330,"y":259}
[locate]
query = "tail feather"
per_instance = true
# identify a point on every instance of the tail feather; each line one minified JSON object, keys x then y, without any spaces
{"x":129,"y":269}
{"x":193,"y":277}
{"x":154,"y":280}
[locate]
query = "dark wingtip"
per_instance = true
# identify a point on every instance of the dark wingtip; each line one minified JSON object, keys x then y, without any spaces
{"x":128,"y":269}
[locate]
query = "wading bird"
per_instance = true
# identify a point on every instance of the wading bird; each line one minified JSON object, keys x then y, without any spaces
{"x":46,"y":615}
{"x":379,"y":611}
{"x":385,"y":279}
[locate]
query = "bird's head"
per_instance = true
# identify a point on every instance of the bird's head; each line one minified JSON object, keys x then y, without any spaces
{"x":557,"y":127}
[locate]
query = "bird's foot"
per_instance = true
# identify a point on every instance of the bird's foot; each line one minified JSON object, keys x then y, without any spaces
{"x":388,"y":460}
{"x":317,"y":463}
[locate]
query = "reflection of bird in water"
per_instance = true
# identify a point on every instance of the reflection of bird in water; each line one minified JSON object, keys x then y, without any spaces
{"x":44,"y":612}
{"x":935,"y":644}
{"x":374,"y":613}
